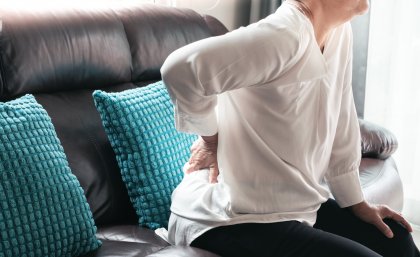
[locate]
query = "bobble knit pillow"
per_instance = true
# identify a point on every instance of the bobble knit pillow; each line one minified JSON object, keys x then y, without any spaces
{"x":150,"y":152}
{"x":43,"y":211}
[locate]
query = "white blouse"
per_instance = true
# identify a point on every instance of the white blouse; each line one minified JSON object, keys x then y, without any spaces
{"x":287,"y":124}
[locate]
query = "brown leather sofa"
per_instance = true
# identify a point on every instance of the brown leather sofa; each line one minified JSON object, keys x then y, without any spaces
{"x":62,"y":56}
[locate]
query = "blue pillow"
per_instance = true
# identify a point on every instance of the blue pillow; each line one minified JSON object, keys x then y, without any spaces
{"x":150,"y":151}
{"x":43,"y":210}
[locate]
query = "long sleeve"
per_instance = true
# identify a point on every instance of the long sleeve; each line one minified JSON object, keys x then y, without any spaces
{"x":343,"y":171}
{"x":197,"y":73}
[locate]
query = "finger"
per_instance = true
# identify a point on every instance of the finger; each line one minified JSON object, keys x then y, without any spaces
{"x":192,"y":167}
{"x":194,"y":146}
{"x":214,"y":172}
{"x":387,"y":212}
{"x":399,"y":218}
{"x":196,"y":155}
{"x":191,"y":160}
{"x":383,"y":228}
{"x":194,"y":151}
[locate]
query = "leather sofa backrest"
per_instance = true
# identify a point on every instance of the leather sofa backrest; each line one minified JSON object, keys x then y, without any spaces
{"x":78,"y":49}
{"x":61,"y":57}
{"x":51,"y":52}
{"x":153,"y":35}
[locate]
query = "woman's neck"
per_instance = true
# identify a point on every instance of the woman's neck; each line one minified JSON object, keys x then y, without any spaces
{"x":316,"y":14}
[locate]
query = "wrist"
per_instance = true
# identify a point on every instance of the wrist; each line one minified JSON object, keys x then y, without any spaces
{"x":359,"y":206}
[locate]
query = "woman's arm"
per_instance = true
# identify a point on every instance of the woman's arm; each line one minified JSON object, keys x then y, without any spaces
{"x":343,"y":173}
{"x":197,"y":73}
{"x":342,"y":176}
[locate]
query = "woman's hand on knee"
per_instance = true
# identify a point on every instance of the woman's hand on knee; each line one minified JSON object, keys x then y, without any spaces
{"x":374,"y":214}
{"x":204,"y":155}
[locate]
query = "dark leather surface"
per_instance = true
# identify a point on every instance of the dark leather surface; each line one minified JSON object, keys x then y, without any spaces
{"x":381,"y":183}
{"x":50,"y":52}
{"x":124,"y":249}
{"x":130,"y":233}
{"x":179,"y":251}
{"x":89,"y":153}
{"x":377,"y":142}
{"x":216,"y":27}
{"x":147,"y":238}
{"x":156,"y":31}
{"x":130,"y":249}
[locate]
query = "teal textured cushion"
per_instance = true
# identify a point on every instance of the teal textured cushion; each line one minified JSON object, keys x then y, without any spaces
{"x":43,"y":211}
{"x":150,"y":151}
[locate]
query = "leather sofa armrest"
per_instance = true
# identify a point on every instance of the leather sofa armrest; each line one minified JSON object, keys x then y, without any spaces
{"x":377,"y":142}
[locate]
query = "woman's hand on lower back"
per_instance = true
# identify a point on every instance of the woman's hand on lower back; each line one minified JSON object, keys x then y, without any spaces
{"x":204,"y":155}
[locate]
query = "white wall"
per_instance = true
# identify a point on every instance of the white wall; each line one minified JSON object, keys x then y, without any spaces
{"x":232,"y":13}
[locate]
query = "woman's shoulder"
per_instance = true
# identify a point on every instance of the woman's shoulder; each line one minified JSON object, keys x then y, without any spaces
{"x":342,"y":38}
{"x":283,"y":20}
{"x":285,"y":25}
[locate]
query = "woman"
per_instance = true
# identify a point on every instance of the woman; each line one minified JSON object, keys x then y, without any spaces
{"x":273,"y":105}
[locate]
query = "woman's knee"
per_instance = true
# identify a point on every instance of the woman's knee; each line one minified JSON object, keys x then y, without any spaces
{"x":402,"y":244}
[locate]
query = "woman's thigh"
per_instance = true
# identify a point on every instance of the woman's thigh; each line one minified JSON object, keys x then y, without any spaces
{"x":333,"y":219}
{"x":283,"y":239}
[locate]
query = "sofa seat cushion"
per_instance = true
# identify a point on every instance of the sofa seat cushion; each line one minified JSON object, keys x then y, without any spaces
{"x":133,"y":240}
{"x":130,"y":233}
{"x":43,"y":210}
{"x":111,"y":248}
{"x":182,"y":251}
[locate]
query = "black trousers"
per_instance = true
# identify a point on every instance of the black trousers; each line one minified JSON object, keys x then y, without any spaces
{"x":336,"y":233}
